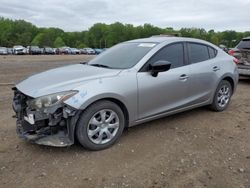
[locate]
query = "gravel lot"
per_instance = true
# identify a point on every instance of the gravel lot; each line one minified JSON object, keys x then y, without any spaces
{"x":198,"y":148}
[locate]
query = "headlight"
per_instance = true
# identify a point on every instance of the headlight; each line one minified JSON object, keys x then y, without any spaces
{"x":50,"y":100}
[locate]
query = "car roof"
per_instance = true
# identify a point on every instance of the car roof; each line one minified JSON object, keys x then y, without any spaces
{"x":161,"y":39}
{"x":170,"y":39}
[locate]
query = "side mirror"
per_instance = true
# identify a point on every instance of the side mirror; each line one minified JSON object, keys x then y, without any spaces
{"x":159,"y":66}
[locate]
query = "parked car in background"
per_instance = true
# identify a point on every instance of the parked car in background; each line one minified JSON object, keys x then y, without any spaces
{"x":88,"y":51}
{"x":3,"y":51}
{"x":28,"y":49}
{"x":224,"y":48}
{"x":242,"y":53}
{"x":19,"y":50}
{"x":34,"y":50}
{"x":65,"y":50}
{"x":56,"y":50}
{"x":10,"y":51}
{"x":131,"y":83}
{"x":83,"y":51}
{"x":48,"y":51}
{"x":98,"y":51}
{"x":75,"y":51}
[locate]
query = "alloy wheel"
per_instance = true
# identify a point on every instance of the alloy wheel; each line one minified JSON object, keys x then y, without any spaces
{"x":103,"y":126}
{"x":223,"y":96}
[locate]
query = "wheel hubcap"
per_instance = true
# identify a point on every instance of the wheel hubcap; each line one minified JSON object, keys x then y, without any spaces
{"x":103,"y":126}
{"x":223,"y":96}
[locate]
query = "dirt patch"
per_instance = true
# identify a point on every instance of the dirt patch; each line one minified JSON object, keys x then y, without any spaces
{"x":198,"y":148}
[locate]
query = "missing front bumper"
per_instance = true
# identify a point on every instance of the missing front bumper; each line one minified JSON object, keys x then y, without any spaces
{"x":58,"y":139}
{"x":52,"y":126}
{"x":58,"y":130}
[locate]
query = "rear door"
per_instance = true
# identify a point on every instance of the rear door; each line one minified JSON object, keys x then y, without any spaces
{"x":168,"y":90}
{"x":204,"y":71}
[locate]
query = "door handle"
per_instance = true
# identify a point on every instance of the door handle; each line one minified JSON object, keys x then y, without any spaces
{"x":215,"y":68}
{"x":184,"y":77}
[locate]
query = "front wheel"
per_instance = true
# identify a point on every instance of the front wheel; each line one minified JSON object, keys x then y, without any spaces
{"x":100,"y":125}
{"x":222,"y":96}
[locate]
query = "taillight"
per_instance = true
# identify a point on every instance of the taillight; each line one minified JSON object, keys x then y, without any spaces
{"x":236,"y":61}
{"x":231,"y":52}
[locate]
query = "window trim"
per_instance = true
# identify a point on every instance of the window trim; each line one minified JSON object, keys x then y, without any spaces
{"x":208,"y":46}
{"x":185,"y":60}
{"x":215,"y":52}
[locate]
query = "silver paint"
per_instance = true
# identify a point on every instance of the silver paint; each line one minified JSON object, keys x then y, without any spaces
{"x":145,"y":97}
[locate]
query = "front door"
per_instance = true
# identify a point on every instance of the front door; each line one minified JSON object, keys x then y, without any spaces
{"x":168,"y":90}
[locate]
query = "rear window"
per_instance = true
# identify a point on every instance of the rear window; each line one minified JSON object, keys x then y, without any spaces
{"x":212,"y":52}
{"x":244,"y":44}
{"x":198,"y":52}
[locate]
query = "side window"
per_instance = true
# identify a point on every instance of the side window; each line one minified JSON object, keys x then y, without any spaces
{"x":212,"y":52}
{"x":173,"y":53}
{"x":197,"y":52}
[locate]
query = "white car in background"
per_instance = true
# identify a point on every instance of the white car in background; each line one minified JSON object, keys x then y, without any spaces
{"x":88,"y":51}
{"x":19,"y":50}
{"x":3,"y":51}
{"x":75,"y":51}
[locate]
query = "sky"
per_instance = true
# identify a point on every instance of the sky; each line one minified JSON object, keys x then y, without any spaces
{"x":79,"y":15}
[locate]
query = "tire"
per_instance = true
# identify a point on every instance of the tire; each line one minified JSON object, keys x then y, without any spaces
{"x":100,"y":125}
{"x":222,"y":96}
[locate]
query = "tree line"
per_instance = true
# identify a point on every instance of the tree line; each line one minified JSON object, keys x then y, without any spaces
{"x":101,"y":35}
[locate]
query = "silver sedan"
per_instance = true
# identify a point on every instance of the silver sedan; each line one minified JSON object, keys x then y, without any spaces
{"x":131,"y":83}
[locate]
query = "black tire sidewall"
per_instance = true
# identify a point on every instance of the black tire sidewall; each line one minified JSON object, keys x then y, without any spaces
{"x":82,"y":125}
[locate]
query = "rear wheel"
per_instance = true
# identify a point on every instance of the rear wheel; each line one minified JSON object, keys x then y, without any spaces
{"x":100,"y":125}
{"x":222,"y":96}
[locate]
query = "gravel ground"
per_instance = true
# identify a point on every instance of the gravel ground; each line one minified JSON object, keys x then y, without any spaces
{"x":194,"y":149}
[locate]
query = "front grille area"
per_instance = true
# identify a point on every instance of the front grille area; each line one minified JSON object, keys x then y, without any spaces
{"x":20,"y":107}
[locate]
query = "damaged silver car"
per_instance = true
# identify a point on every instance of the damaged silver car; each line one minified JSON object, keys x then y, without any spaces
{"x":131,"y":83}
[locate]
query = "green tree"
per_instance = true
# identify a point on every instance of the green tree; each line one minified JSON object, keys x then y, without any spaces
{"x":100,"y":35}
{"x":38,"y":40}
{"x":215,"y":40}
{"x":59,"y":42}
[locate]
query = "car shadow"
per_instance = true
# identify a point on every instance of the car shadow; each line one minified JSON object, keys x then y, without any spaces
{"x":244,"y":80}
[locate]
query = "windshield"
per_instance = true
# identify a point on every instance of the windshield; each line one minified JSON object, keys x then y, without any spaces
{"x":244,"y":44}
{"x":123,"y":56}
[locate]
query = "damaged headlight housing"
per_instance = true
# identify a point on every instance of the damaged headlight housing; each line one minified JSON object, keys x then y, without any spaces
{"x":50,"y":100}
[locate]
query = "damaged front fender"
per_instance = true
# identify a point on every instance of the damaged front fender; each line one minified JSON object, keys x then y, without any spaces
{"x":54,"y":126}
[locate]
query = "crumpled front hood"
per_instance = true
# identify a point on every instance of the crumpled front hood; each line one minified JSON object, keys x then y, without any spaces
{"x":62,"y":79}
